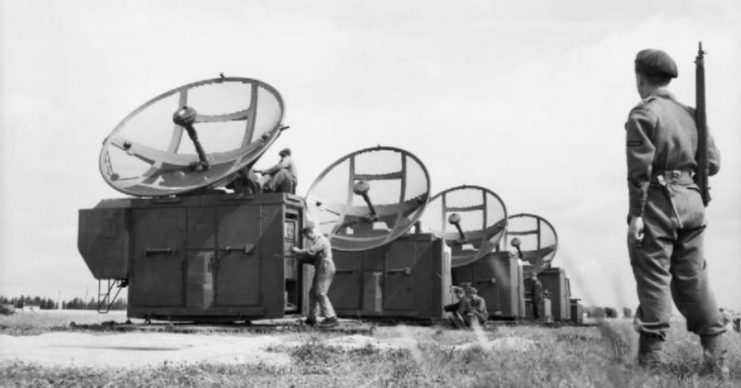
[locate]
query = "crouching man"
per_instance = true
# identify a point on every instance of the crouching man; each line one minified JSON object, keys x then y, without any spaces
{"x":478,"y":312}
{"x":457,"y":310}
{"x":318,"y":254}
{"x":470,"y":307}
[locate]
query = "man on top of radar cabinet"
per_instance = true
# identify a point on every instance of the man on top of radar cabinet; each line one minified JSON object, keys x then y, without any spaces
{"x":667,"y":216}
{"x":282,"y":177}
{"x":319,"y":255}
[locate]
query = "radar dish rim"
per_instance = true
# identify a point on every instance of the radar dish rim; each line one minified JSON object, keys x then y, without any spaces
{"x":501,"y":228}
{"x":272,"y":134}
{"x":418,"y":210}
{"x":547,"y":264}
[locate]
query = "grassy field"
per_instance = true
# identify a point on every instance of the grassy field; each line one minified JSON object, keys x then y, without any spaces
{"x":29,"y":323}
{"x":600,"y":356}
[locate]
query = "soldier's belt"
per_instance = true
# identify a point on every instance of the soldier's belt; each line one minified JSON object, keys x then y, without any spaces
{"x":666,"y":179}
{"x":672,"y":176}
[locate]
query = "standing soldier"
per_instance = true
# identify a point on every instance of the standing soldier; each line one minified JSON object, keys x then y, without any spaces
{"x":667,"y":216}
{"x":319,"y":254}
{"x":536,"y":296}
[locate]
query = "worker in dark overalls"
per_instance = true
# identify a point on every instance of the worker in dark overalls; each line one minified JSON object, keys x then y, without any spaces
{"x":536,"y":296}
{"x":667,"y":216}
{"x":319,"y":255}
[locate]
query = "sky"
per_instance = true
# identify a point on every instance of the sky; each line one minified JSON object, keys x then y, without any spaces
{"x":527,"y":99}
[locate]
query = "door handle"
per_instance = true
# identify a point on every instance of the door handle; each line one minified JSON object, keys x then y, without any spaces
{"x":159,"y":251}
{"x":490,"y":281}
{"x":405,"y":271}
{"x":246,"y":249}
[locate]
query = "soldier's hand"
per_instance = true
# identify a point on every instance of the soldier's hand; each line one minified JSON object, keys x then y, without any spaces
{"x":635,"y":230}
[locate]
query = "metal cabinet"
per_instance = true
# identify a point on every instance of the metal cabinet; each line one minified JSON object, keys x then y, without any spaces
{"x":555,"y":281}
{"x":407,"y":278}
{"x":199,"y":257}
{"x":498,"y":278}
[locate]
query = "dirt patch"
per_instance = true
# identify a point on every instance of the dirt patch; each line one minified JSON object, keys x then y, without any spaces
{"x":139,"y":349}
{"x":235,"y":346}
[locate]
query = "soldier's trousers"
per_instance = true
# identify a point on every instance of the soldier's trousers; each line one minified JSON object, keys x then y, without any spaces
{"x":476,"y":316}
{"x":281,"y":182}
{"x":318,"y":299}
{"x":670,"y":264}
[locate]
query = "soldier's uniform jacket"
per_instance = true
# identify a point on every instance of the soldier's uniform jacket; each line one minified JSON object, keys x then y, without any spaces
{"x":661,"y":136}
{"x":286,"y":163}
{"x":478,"y":304}
{"x":536,"y":290}
{"x":319,"y":250}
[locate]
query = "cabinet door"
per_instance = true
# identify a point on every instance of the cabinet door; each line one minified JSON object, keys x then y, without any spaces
{"x":345,"y":290}
{"x":492,"y":281}
{"x":399,"y":283}
{"x":238,"y":280}
{"x":157,"y":278}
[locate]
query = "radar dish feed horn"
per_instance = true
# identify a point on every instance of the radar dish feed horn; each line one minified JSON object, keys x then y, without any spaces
{"x":369,"y":198}
{"x":230,"y":123}
{"x":471,"y":219}
{"x":535,"y":240}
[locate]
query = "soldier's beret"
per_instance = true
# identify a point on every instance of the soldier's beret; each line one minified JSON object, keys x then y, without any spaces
{"x":285,"y":151}
{"x":655,"y":63}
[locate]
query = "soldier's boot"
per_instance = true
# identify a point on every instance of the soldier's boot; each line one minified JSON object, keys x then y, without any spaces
{"x":329,"y":322}
{"x":713,"y":356}
{"x":651,"y":351}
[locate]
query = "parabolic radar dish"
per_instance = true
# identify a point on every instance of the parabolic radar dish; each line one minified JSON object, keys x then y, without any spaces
{"x":471,"y":219}
{"x":535,"y":240}
{"x":369,"y":197}
{"x":193,"y":136}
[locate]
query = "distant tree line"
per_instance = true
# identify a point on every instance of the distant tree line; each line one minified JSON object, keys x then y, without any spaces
{"x":50,"y":304}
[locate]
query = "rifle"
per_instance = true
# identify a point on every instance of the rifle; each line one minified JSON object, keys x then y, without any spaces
{"x":703,"y":168}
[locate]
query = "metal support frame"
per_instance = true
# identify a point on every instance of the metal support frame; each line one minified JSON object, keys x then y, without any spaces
{"x":105,"y":301}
